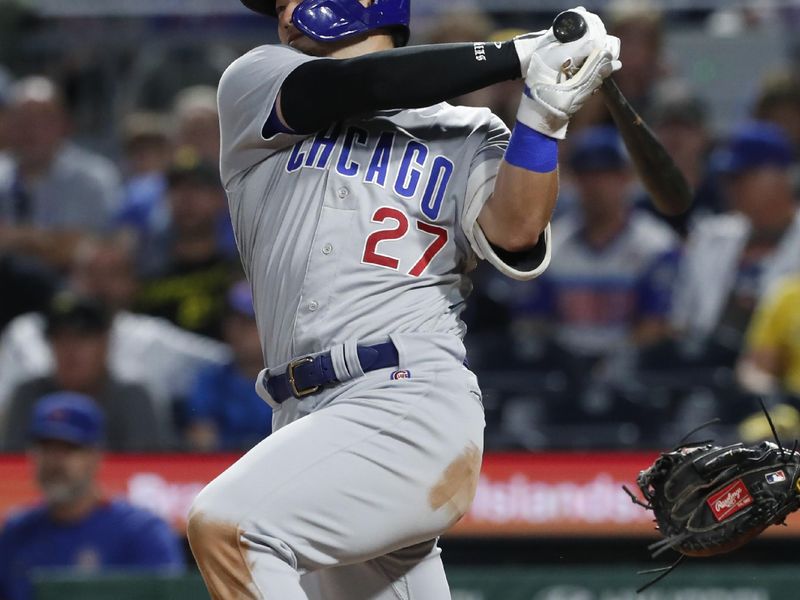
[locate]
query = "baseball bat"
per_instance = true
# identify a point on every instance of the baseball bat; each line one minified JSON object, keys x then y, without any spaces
{"x":668,"y":188}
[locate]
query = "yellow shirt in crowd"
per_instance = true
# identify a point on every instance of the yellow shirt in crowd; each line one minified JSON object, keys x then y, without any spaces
{"x":776,"y":329}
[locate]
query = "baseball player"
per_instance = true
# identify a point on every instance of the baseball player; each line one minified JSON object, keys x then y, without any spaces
{"x":360,"y":200}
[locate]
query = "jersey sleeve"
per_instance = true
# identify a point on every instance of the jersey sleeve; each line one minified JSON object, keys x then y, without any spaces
{"x":480,"y":185}
{"x":245,"y":98}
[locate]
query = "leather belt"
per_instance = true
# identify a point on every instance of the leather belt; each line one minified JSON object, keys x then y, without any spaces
{"x":309,"y":374}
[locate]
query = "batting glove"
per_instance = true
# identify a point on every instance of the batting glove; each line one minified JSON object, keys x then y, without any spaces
{"x":549,"y":55}
{"x":548,"y":104}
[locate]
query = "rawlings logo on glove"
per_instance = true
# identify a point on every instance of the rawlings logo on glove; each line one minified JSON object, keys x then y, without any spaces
{"x":729,"y":500}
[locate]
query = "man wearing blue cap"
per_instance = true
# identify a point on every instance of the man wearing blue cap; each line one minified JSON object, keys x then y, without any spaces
{"x":75,"y":527}
{"x":224,"y":412}
{"x":733,"y":258}
{"x":607,"y":287}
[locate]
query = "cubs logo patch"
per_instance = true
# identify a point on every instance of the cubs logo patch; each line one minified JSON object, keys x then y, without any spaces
{"x":404,"y":374}
{"x":775,"y":477}
{"x":729,"y":500}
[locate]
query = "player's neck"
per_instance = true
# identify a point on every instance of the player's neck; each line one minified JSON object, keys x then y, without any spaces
{"x":372,"y":43}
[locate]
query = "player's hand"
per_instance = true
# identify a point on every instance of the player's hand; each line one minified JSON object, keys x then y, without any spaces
{"x":542,"y":49}
{"x":547,"y":106}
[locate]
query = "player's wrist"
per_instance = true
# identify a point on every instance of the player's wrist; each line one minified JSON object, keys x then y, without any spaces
{"x":532,"y":150}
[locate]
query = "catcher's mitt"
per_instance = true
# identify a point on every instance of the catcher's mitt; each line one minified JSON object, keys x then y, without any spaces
{"x":709,"y":499}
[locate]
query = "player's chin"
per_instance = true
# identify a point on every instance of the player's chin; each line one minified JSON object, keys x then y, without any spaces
{"x":308,"y":46}
{"x":312,"y":47}
{"x":57,"y":492}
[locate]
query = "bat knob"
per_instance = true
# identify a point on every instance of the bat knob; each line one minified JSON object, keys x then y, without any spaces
{"x":569,"y":26}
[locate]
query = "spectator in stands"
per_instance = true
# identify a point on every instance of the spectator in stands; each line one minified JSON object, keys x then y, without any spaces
{"x":770,"y":360}
{"x":197,"y":122}
{"x":612,"y":267}
{"x":103,"y":268}
{"x":143,"y":349}
{"x":197,"y":136}
{"x":147,"y":156}
{"x":679,"y":119}
{"x":754,"y":428}
{"x":148,"y":141}
{"x":223,"y":411}
{"x":78,"y":333}
{"x":5,"y":89}
{"x":153,"y":219}
{"x":640,"y":26}
{"x":187,"y":270}
{"x":50,"y":189}
{"x":732,"y":258}
{"x":779,"y":102}
{"x":146,"y":144}
{"x":75,"y":527}
{"x":27,"y":284}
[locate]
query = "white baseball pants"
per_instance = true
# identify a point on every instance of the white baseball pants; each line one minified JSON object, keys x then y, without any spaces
{"x":346,"y":502}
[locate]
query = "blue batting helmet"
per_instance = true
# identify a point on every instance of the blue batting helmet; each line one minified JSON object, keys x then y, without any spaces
{"x":333,"y":20}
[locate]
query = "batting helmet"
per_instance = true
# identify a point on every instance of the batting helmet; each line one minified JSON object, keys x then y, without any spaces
{"x":333,"y":20}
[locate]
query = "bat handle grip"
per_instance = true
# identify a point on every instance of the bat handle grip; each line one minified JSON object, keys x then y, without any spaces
{"x":569,"y":26}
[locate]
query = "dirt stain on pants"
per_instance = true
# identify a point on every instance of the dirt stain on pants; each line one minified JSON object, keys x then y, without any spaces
{"x":219,"y":553}
{"x":456,"y":487}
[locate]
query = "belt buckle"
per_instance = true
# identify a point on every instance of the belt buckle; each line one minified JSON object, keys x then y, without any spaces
{"x":293,"y":384}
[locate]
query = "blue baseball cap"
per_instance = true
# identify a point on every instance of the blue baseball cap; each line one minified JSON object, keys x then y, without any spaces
{"x":597,"y":149}
{"x":753,"y":145}
{"x":240,"y":299}
{"x":68,"y":417}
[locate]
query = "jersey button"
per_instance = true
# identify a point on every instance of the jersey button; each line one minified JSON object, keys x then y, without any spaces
{"x":327,"y":249}
{"x":344,"y":193}
{"x":313,"y":305}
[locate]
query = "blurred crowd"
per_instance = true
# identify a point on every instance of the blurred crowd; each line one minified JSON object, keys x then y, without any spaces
{"x":121,"y":284}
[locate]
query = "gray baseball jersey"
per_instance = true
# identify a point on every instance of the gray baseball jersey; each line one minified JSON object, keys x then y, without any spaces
{"x":356,"y":235}
{"x":361,"y":230}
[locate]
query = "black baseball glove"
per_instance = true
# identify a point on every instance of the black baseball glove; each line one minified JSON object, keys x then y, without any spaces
{"x":711,"y":499}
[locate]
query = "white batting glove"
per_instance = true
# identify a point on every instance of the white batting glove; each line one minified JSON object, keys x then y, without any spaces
{"x":548,"y":105}
{"x":543,"y":49}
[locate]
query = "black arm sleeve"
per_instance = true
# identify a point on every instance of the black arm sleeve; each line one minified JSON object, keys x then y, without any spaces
{"x":321,"y":92}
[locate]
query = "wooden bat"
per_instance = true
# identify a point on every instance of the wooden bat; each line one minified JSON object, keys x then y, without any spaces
{"x":668,"y":188}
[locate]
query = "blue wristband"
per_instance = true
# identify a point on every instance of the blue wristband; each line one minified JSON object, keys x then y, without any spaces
{"x":531,"y":150}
